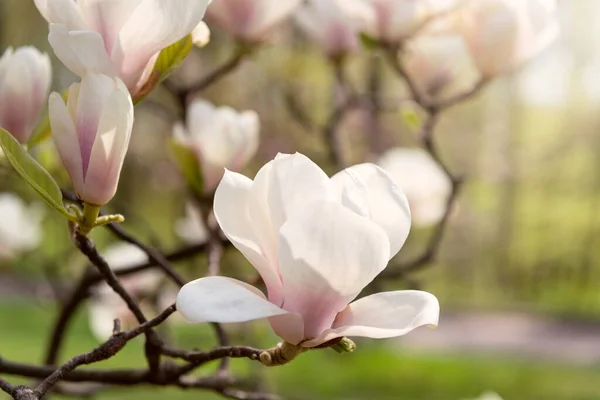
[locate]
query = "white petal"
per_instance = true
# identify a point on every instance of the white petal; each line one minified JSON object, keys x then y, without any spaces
{"x":80,"y":51}
{"x":201,"y":35}
{"x":154,"y":25}
{"x":107,"y":17}
{"x":64,"y":12}
{"x":369,"y":191}
{"x":221,"y":299}
{"x":327,"y":255}
{"x":384,"y":315}
{"x":110,"y":147}
{"x":295,"y":182}
{"x":233,"y":215}
{"x":65,"y":138}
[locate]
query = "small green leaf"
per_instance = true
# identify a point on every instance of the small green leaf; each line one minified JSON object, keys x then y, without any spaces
{"x":33,"y":173}
{"x":411,"y":117}
{"x":168,"y":60}
{"x":368,"y":42}
{"x":172,"y":56}
{"x":188,"y":165}
{"x":43,"y":131}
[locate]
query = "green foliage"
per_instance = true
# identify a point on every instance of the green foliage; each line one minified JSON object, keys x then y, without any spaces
{"x":411,"y":117}
{"x":368,"y":42}
{"x":33,"y":173}
{"x":171,"y":57}
{"x":188,"y":165}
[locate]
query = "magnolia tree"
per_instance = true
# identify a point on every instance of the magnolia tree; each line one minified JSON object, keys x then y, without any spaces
{"x":315,"y":241}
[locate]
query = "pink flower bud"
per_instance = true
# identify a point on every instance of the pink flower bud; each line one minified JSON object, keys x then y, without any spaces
{"x":220,"y":138}
{"x":250,"y":20}
{"x":325,"y":22}
{"x":25,"y":77}
{"x":91,"y":133}
{"x":393,"y":21}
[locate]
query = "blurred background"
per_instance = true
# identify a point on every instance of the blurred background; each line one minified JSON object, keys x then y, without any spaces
{"x":517,"y":275}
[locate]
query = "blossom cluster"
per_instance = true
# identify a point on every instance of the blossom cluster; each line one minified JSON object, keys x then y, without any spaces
{"x":316,"y":241}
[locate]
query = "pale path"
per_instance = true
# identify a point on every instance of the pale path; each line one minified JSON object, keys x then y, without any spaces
{"x":512,"y":334}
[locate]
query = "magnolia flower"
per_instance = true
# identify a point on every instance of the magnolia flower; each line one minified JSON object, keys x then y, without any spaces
{"x":191,"y":228}
{"x":25,"y":78}
{"x":503,"y":34}
{"x":393,"y":21}
{"x":91,"y":133}
{"x":105,"y":306}
{"x":325,"y":22}
{"x":118,"y":37}
{"x":438,"y":63}
{"x":316,"y":242}
{"x":220,"y":137}
{"x":423,"y":181}
{"x":20,"y":229}
{"x":250,"y":20}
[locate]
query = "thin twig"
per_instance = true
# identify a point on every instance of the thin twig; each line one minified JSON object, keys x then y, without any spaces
{"x":221,"y":71}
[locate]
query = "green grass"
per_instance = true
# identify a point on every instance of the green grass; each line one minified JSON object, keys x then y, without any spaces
{"x":377,"y":370}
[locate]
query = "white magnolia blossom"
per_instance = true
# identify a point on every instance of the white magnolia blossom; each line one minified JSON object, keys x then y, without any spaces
{"x":325,"y":22}
{"x":316,"y":242}
{"x":25,"y":78}
{"x":438,"y":63}
{"x":91,"y":133}
{"x":503,"y":34}
{"x":105,"y":306}
{"x":393,"y":21}
{"x":220,"y":137}
{"x":250,"y":20}
{"x":20,"y":226}
{"x":191,"y":228}
{"x":422,"y":180}
{"x":120,"y":38}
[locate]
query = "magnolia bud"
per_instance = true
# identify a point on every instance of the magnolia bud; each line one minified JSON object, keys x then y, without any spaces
{"x":250,"y":20}
{"x":92,"y":133}
{"x":25,"y":77}
{"x":220,"y":138}
{"x":503,"y":34}
{"x":325,"y":22}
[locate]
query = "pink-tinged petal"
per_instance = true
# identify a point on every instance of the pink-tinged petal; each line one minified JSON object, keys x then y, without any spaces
{"x":94,"y":92}
{"x":383,"y":315}
{"x":234,"y":217}
{"x":369,"y":191}
{"x":154,"y":25}
{"x":16,"y":89}
{"x":295,"y":182}
{"x":109,"y":147}
{"x":80,"y":51}
{"x":225,"y":300}
{"x":65,"y":139}
{"x":64,"y":12}
{"x":327,"y":255}
{"x":233,"y":16}
{"x":107,"y":17}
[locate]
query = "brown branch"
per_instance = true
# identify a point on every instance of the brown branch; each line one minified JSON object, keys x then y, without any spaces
{"x":201,"y":357}
{"x":153,"y":342}
{"x":220,"y":72}
{"x":426,"y":136}
{"x":155,"y":256}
